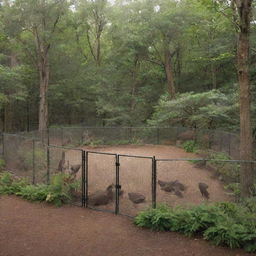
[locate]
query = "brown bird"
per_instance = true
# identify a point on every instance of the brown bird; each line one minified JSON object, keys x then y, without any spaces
{"x":178,"y":193}
{"x":203,"y":189}
{"x":136,"y":198}
{"x":75,"y":168}
{"x":171,"y":186}
{"x":101,"y":197}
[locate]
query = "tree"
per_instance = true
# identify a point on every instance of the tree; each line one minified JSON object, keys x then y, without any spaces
{"x":206,"y":110}
{"x":244,"y":11}
{"x":36,"y":21}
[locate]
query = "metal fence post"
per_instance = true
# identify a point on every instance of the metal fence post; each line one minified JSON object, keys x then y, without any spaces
{"x":83,"y":179}
{"x":86,"y":178}
{"x":117,"y":184}
{"x":33,"y":162}
{"x":154,"y":182}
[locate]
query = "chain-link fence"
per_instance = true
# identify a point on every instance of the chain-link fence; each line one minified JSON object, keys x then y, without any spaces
{"x":124,"y":183}
{"x":216,"y":140}
{"x":206,"y":139}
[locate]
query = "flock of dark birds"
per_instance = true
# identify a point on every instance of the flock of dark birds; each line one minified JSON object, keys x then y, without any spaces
{"x":103,"y":197}
{"x":177,"y":188}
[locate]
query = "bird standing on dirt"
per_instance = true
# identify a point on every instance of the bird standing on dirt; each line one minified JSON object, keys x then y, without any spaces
{"x":136,"y":198}
{"x":101,"y":197}
{"x":203,"y":189}
{"x":172,"y":186}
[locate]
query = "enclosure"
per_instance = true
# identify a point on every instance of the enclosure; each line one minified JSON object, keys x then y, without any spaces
{"x":144,"y":166}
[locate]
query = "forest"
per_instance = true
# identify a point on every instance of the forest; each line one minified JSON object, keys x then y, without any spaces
{"x":123,"y":62}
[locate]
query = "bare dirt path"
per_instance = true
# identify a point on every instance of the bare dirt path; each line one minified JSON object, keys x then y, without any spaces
{"x":34,"y":229}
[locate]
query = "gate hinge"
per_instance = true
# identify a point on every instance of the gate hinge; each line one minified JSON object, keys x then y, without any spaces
{"x":118,"y":186}
{"x":117,"y":164}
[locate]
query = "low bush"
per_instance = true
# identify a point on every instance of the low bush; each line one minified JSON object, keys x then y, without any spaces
{"x":227,"y":224}
{"x":57,"y":192}
{"x":10,"y":185}
{"x":2,"y":164}
{"x":190,"y":146}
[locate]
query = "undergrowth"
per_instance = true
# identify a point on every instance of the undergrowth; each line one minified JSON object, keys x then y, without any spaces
{"x":227,"y":224}
{"x":190,"y":146}
{"x":59,"y":190}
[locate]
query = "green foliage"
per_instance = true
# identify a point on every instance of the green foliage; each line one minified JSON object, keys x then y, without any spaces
{"x":229,"y":171}
{"x":190,"y":146}
{"x":111,"y":67}
{"x":58,"y":192}
{"x":10,"y":185}
{"x":2,"y":164}
{"x":34,"y":192}
{"x":156,"y":219}
{"x":227,"y":224}
{"x":26,"y":157}
{"x":235,"y":188}
{"x":205,"y":110}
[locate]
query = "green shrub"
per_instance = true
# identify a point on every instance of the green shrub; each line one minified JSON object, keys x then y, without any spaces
{"x":26,"y":158}
{"x":156,"y":219}
{"x":227,"y":224}
{"x":190,"y":146}
{"x":229,"y":171}
{"x":9,"y":185}
{"x":2,"y":164}
{"x":226,"y":233}
{"x":58,"y":192}
{"x":235,"y":188}
{"x":34,"y":192}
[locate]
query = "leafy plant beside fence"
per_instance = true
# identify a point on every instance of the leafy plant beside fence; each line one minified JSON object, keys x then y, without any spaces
{"x":227,"y":224}
{"x":59,"y":191}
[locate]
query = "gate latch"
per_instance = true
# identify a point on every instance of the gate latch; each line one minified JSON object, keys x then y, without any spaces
{"x":118,"y":186}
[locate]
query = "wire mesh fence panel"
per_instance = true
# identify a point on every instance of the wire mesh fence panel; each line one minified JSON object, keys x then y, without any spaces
{"x":178,"y":181}
{"x":18,"y":155}
{"x":135,"y":178}
{"x":67,"y":161}
{"x":235,"y":146}
{"x":40,"y":162}
{"x":141,"y":135}
{"x":167,"y":136}
{"x":74,"y":159}
{"x":72,"y":136}
{"x":101,"y":181}
{"x":56,"y":136}
{"x":103,"y":135}
{"x":203,"y":138}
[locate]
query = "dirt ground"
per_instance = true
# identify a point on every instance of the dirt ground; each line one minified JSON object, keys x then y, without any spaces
{"x":136,"y":175}
{"x":37,"y":229}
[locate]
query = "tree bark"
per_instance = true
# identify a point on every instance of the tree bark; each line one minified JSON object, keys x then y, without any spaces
{"x":246,"y":176}
{"x":43,"y":88}
{"x":169,"y":73}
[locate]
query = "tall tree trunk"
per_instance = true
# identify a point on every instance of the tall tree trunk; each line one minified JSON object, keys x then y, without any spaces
{"x":8,"y":117}
{"x":169,"y":73}
{"x":179,"y":66}
{"x":98,"y":60}
{"x":244,"y":12}
{"x":134,"y":83}
{"x":43,"y":67}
